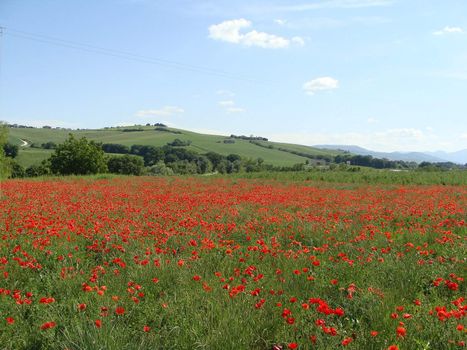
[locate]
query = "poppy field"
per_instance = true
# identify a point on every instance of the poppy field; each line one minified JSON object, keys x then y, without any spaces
{"x":212,"y":263}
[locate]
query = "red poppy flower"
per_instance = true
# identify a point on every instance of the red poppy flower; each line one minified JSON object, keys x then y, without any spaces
{"x":119,"y":310}
{"x":48,"y":325}
{"x":401,"y":331}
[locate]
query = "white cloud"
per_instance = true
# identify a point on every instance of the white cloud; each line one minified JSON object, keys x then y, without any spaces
{"x":166,"y":111}
{"x":449,"y":30}
{"x":235,"y":110}
{"x":298,"y":40}
{"x":229,"y":31}
{"x":320,"y":84}
{"x":226,"y":93}
{"x":230,"y":107}
{"x":227,"y":103}
{"x":464,"y":136}
{"x":372,"y":120}
{"x":280,"y":22}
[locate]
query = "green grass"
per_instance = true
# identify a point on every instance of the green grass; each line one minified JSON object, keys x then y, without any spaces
{"x":200,"y":143}
{"x":32,"y":156}
{"x":62,"y":234}
{"x":366,"y":176}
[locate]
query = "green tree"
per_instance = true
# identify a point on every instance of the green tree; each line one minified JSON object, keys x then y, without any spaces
{"x":126,"y":165}
{"x":160,"y":169}
{"x":4,"y":162}
{"x":10,"y":150}
{"x":17,"y":171}
{"x":35,"y":170}
{"x":78,"y":157}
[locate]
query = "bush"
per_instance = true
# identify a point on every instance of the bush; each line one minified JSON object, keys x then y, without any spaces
{"x":10,"y":150}
{"x":115,"y":148}
{"x":126,"y":165}
{"x":37,"y":170}
{"x":17,"y":171}
{"x":160,"y":169}
{"x":78,"y":157}
{"x":179,"y":143}
{"x":49,"y":145}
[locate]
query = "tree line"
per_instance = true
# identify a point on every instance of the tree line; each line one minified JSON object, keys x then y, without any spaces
{"x":84,"y":157}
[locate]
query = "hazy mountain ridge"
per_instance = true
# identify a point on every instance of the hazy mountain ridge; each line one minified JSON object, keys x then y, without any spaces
{"x":459,"y":157}
{"x":455,"y":157}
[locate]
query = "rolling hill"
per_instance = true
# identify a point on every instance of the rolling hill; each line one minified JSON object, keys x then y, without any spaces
{"x":279,"y":154}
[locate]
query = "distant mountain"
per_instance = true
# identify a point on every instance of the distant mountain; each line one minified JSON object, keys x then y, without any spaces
{"x":456,"y":157}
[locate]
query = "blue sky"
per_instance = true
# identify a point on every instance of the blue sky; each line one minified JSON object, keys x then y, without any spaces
{"x":384,"y":74}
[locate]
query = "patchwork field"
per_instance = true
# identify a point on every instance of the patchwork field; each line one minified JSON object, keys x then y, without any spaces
{"x":210,"y":263}
{"x":200,"y":143}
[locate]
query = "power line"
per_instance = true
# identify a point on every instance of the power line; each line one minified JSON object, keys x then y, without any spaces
{"x":126,"y":55}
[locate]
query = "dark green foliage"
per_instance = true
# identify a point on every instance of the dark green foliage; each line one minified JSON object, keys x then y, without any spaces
{"x":179,"y":143}
{"x":233,"y":157}
{"x":203,"y":165}
{"x":132,"y":129}
{"x":153,"y":156}
{"x":10,"y":150}
{"x":17,"y":171}
{"x":38,"y":170}
{"x":160,"y":169}
{"x":126,"y":165}
{"x":215,"y":158}
{"x":78,"y":157}
{"x":115,"y":148}
{"x":4,"y":163}
{"x":183,"y":167}
{"x":164,"y":129}
{"x":49,"y":145}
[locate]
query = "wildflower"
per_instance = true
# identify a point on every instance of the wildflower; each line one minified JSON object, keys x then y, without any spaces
{"x":48,"y":325}
{"x":401,"y":331}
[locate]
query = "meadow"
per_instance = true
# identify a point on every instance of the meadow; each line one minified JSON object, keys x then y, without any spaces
{"x":231,"y":263}
{"x":200,"y":143}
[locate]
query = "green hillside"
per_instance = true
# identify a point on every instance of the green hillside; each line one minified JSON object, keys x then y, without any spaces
{"x":271,"y":152}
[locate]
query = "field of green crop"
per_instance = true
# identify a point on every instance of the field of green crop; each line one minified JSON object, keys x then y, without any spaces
{"x":201,"y":143}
